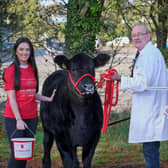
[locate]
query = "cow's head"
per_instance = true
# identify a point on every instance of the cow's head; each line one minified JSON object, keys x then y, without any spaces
{"x":81,"y":70}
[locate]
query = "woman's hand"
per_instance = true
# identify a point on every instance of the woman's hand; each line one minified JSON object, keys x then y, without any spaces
{"x":52,"y":96}
{"x":20,"y":124}
{"x":45,"y":98}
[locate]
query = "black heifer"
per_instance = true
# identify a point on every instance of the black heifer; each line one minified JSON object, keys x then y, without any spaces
{"x":74,"y":117}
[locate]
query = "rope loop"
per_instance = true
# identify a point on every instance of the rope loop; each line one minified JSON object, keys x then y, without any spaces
{"x":111,"y":87}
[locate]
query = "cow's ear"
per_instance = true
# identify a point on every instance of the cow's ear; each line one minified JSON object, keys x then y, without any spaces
{"x":101,"y":59}
{"x":62,"y":61}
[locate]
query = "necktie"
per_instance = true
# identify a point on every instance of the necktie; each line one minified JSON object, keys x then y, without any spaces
{"x":134,"y":61}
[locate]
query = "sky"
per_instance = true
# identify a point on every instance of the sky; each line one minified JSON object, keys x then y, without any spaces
{"x":58,"y":19}
{"x":49,"y":2}
{"x":131,"y":1}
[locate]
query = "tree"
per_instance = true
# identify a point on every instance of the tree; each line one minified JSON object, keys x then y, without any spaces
{"x":29,"y":18}
{"x":26,"y":19}
{"x":152,"y":12}
{"x":159,"y":8}
{"x":113,"y":25}
{"x":3,"y":19}
{"x":83,"y":23}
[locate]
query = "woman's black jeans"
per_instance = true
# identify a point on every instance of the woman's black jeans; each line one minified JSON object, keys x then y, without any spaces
{"x":10,"y":127}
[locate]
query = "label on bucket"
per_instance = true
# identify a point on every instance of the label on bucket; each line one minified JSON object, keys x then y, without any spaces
{"x":23,"y":150}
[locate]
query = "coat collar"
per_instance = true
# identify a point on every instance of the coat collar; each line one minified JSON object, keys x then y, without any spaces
{"x":146,"y":47}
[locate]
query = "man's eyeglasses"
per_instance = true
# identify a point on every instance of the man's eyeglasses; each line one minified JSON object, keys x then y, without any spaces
{"x":138,"y":34}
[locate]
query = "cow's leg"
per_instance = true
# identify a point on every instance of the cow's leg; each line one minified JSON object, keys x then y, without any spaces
{"x":47,"y":142}
{"x":88,"y":151}
{"x":68,"y":155}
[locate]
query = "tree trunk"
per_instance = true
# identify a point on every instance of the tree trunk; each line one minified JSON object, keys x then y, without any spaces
{"x":161,"y":34}
{"x":83,"y":24}
{"x":162,"y":30}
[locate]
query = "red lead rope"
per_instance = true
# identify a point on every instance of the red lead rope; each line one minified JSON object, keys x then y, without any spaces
{"x":109,"y":92}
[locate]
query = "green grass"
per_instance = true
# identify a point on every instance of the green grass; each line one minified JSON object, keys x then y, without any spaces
{"x":113,"y":146}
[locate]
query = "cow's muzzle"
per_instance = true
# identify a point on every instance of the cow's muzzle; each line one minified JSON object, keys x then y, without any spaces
{"x":87,"y":89}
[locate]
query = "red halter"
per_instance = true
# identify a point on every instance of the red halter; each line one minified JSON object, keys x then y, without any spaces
{"x":76,"y":84}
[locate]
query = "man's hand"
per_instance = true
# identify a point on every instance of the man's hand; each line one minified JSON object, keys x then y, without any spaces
{"x":166,"y":111}
{"x":116,"y":76}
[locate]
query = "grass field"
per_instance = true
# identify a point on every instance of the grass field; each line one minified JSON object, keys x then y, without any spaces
{"x":112,"y":150}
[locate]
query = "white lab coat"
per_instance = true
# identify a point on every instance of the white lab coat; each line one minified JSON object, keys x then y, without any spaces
{"x":148,"y":122}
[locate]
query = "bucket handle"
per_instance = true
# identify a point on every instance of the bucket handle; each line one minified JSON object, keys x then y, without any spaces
{"x":17,"y":130}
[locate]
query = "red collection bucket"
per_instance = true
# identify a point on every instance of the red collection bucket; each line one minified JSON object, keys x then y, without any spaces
{"x":23,"y":147}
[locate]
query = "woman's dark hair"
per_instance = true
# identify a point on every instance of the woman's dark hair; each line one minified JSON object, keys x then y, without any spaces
{"x":31,"y":60}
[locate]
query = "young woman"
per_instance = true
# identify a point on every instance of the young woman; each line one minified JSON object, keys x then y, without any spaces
{"x":21,"y":84}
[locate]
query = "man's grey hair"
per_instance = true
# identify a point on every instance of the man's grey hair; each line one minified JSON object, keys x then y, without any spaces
{"x":141,"y":24}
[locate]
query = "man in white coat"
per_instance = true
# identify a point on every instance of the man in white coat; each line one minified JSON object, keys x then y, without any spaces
{"x":148,"y":123}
